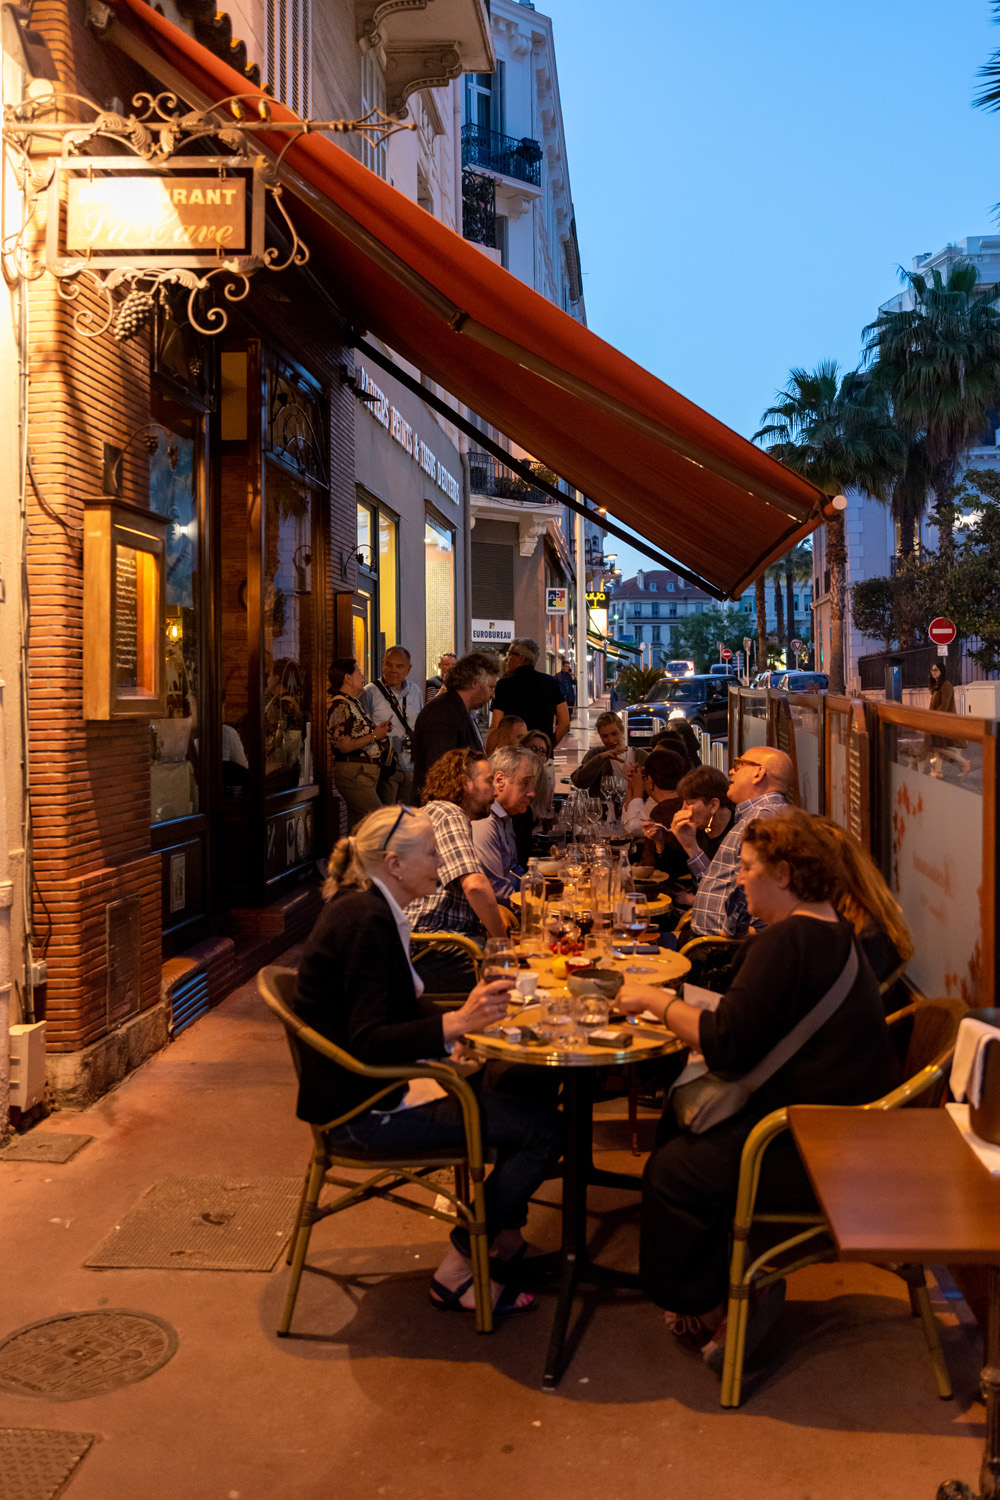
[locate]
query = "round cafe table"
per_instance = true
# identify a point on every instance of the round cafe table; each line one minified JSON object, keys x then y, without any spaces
{"x":658,"y":905}
{"x":576,"y":1059}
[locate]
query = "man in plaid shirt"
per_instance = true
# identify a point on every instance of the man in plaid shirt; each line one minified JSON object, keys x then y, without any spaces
{"x":457,"y":789}
{"x":758,"y":785}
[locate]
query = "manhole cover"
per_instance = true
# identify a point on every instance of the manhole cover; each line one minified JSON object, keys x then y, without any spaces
{"x":84,"y":1354}
{"x":204,"y":1224}
{"x":47,"y":1148}
{"x":36,"y":1463}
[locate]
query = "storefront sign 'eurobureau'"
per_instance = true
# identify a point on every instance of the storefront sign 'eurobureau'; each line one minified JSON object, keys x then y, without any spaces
{"x":146,"y":214}
{"x":492,"y":632}
{"x":392,"y":419}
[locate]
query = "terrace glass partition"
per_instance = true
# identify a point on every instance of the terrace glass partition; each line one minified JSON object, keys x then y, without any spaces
{"x":806,"y":724}
{"x":938,"y":845}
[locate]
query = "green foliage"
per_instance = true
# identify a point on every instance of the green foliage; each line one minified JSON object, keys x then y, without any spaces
{"x":634,"y":682}
{"x":698,"y":636}
{"x":973,"y":583}
{"x":872,"y":605}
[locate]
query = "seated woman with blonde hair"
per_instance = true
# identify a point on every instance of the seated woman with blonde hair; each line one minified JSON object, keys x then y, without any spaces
{"x":357,"y":987}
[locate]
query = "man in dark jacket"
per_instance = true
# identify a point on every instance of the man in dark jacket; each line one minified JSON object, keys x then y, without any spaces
{"x":531,"y":694}
{"x":446,"y":722}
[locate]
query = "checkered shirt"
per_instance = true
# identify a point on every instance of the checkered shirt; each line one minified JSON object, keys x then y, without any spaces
{"x":720,"y":905}
{"x":448,"y":910}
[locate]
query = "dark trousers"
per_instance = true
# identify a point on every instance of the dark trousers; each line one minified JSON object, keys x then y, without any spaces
{"x":526,"y":1136}
{"x":444,"y":970}
{"x":688,"y":1201}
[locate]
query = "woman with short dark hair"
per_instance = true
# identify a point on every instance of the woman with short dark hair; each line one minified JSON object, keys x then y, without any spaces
{"x":355,"y":740}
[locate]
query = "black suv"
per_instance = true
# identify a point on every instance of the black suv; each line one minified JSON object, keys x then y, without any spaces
{"x":702,"y":700}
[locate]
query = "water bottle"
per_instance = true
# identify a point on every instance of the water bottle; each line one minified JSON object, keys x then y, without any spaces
{"x":624,"y":886}
{"x":532,"y":902}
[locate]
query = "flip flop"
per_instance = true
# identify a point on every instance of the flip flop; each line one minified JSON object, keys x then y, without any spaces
{"x":447,"y":1300}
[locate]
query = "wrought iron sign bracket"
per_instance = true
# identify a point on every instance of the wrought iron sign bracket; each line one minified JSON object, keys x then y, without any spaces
{"x":150,"y":212}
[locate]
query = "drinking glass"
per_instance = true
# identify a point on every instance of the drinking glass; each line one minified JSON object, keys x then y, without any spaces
{"x":500,"y":959}
{"x":636,"y":925}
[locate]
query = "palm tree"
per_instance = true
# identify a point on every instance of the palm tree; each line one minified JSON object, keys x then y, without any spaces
{"x":797,"y":567}
{"x":776,"y":575}
{"x":939,"y":363}
{"x":760,"y":599}
{"x":837,"y":433}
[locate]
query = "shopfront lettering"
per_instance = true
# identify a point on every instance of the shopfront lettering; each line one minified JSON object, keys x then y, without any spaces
{"x":155,"y":213}
{"x":392,"y":419}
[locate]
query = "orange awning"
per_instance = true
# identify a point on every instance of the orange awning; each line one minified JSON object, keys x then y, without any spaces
{"x":676,"y":476}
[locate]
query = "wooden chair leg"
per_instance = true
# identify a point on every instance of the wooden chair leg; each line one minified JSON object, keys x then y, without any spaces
{"x":736,"y":1338}
{"x":298,"y":1217}
{"x":300,"y":1244}
{"x":479,"y":1255}
{"x":633,"y":1111}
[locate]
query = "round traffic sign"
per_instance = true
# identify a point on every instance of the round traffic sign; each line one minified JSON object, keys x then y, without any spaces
{"x":942,"y":631}
{"x":796,"y":645}
{"x":726,"y":653}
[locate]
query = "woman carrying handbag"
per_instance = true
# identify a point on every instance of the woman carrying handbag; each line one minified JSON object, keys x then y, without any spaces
{"x":356,"y":742}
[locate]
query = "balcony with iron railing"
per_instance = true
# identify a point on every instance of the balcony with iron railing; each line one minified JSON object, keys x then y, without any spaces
{"x":490,"y":478}
{"x":493,"y":152}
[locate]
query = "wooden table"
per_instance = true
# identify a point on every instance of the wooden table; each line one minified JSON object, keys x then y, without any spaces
{"x":902,"y":1185}
{"x":578,"y":1059}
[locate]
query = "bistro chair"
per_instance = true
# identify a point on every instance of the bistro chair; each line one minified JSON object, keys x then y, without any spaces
{"x":933,"y":1027}
{"x":277,"y":985}
{"x":711,"y":959}
{"x":449,"y":943}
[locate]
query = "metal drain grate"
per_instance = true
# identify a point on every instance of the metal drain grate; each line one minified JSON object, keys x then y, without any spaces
{"x":47,"y":1148}
{"x":80,"y":1355}
{"x":36,"y":1463}
{"x":188,"y":1000}
{"x":204,"y":1224}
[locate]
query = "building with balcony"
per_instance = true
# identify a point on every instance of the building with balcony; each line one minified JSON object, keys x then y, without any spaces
{"x":518,"y":207}
{"x":646,"y":610}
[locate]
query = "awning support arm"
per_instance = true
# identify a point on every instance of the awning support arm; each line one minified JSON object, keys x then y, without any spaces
{"x":472,"y":431}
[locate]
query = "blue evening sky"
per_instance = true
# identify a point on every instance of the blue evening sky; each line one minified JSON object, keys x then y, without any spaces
{"x":748,"y":177}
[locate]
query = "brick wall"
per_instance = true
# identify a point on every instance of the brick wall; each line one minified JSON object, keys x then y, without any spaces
{"x":90,"y":796}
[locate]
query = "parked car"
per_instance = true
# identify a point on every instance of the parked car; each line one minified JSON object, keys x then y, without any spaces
{"x":679,"y":668}
{"x":722,"y":669}
{"x":802,"y":682}
{"x":701,"y":699}
{"x":766,"y":679}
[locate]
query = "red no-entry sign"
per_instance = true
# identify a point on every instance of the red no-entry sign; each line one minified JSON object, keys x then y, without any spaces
{"x":942,"y":631}
{"x":725,"y":653}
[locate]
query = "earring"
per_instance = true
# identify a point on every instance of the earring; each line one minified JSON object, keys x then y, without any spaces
{"x":708,"y":825}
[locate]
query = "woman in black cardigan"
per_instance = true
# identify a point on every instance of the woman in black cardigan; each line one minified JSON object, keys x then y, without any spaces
{"x":790,"y":872}
{"x":356,"y":987}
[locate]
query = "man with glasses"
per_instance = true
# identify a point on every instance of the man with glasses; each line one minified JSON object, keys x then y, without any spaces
{"x":758,"y":785}
{"x":392,"y":699}
{"x":534,"y":696}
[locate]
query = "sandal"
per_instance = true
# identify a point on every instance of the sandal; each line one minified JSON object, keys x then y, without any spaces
{"x":446,"y":1300}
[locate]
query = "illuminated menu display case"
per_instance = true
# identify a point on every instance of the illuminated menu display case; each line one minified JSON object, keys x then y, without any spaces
{"x":124,"y":559}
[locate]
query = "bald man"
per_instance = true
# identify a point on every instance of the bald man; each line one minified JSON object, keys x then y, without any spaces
{"x":758,"y":785}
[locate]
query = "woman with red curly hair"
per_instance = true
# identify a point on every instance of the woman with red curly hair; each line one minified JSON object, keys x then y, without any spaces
{"x":790,"y":873}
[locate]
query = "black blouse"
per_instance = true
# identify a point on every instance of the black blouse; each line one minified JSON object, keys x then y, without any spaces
{"x":783,"y":972}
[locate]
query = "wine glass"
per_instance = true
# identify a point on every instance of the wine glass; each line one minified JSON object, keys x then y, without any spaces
{"x":500,"y":959}
{"x":636,"y":925}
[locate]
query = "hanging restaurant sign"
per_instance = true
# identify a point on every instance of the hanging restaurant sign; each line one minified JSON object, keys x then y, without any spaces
{"x":177,"y":214}
{"x":144,"y":213}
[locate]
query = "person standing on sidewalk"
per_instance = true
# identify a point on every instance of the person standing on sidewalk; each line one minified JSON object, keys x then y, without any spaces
{"x":533,"y":695}
{"x":356,"y":742}
{"x":446,"y":723}
{"x":566,"y":682}
{"x":393,"y":700}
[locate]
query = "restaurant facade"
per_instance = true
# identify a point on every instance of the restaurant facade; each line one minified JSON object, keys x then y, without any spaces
{"x":212,"y":512}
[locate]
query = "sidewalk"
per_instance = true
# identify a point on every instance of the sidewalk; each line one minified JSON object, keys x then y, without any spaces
{"x":380,"y":1395}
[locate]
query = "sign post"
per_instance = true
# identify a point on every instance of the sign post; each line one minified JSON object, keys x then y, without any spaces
{"x":747,"y":643}
{"x":797,"y":648}
{"x":725,"y":653}
{"x":942,"y":632}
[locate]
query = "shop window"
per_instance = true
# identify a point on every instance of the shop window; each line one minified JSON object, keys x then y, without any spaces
{"x":288,"y":631}
{"x":287,"y":46}
{"x":439,"y":587}
{"x":376,"y":605}
{"x":373,"y":155}
{"x":174,"y":488}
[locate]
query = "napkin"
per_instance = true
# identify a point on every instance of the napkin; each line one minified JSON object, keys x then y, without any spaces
{"x":988,"y":1155}
{"x":970,"y":1054}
